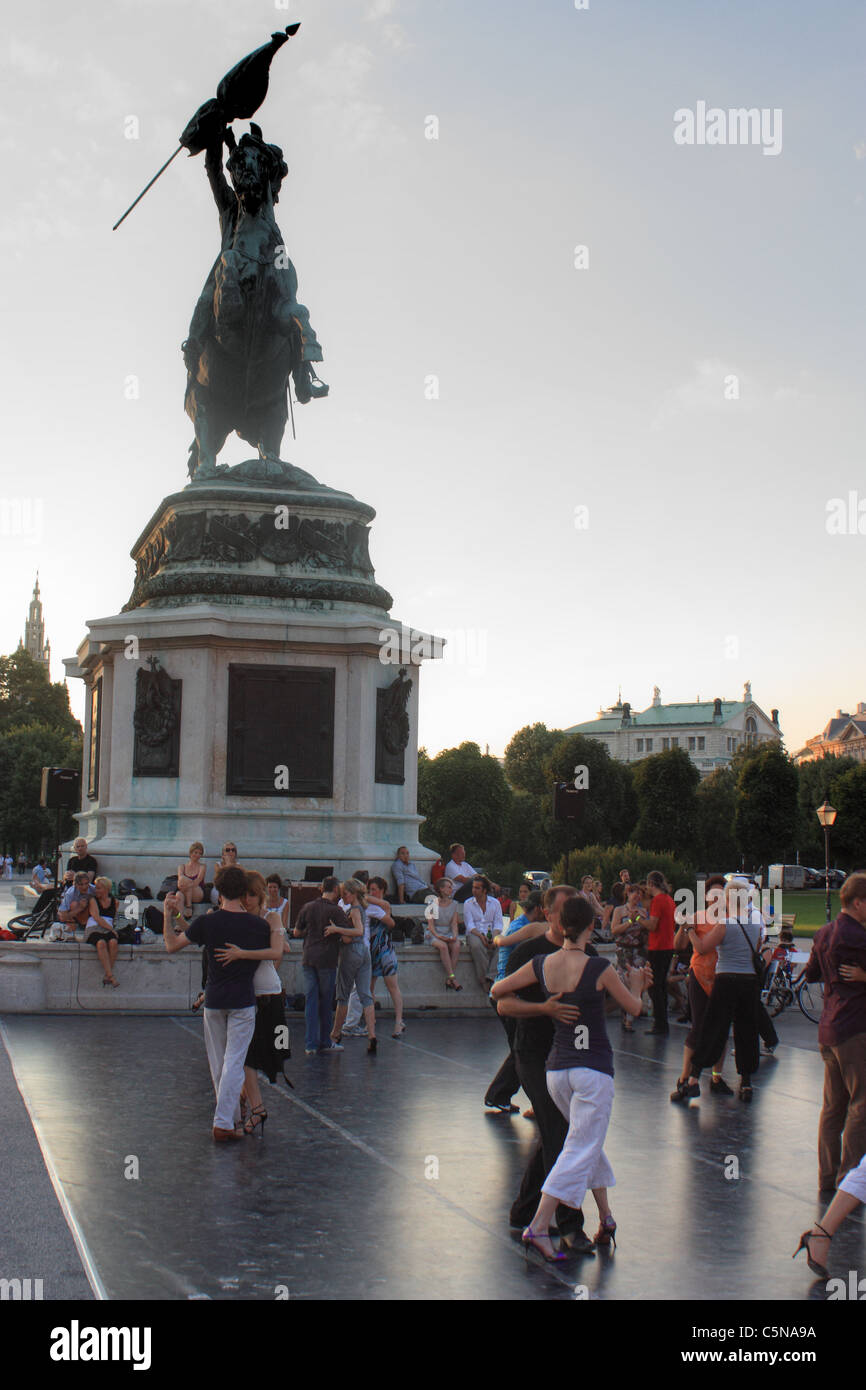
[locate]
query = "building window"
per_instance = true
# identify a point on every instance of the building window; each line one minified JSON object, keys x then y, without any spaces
{"x":666,"y":743}
{"x":638,"y":745}
{"x":675,"y":743}
{"x":691,"y":745}
{"x":701,"y":744}
{"x":649,"y":745}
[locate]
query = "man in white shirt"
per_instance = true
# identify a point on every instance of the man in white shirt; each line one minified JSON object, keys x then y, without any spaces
{"x":460,"y":872}
{"x":482,"y":916}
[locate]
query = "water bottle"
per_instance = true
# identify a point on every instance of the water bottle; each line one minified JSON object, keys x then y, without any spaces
{"x":136,"y":935}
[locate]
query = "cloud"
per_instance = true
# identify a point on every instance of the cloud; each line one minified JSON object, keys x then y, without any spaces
{"x":340,"y":102}
{"x":702,"y":394}
{"x":380,"y":9}
{"x":860,"y":150}
{"x":30,"y":60}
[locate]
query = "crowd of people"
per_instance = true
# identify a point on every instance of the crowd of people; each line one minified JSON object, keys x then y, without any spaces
{"x":550,"y":987}
{"x":554,"y":991}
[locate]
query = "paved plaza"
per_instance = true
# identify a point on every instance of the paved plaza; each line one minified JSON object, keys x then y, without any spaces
{"x":383,"y":1177}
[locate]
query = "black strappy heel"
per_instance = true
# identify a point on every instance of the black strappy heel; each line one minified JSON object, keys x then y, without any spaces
{"x":821,"y":1272}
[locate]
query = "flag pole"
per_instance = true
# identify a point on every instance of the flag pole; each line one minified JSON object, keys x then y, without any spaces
{"x":146,"y":187}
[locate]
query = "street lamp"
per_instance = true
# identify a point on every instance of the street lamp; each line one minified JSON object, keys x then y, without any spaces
{"x":827,"y":816}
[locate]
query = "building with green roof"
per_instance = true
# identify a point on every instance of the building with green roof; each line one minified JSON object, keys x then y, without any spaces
{"x":710,"y":731}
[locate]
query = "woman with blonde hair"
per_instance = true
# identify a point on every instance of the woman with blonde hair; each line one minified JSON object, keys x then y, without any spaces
{"x":354,"y":968}
{"x":263,"y":1053}
{"x":99,"y":929}
{"x":191,"y":877}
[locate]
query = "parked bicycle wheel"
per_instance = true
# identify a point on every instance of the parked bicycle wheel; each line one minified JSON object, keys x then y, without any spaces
{"x":810,"y":997}
{"x":779,"y":996}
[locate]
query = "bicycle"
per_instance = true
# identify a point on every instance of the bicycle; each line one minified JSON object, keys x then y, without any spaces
{"x":40,"y":918}
{"x":784,"y":987}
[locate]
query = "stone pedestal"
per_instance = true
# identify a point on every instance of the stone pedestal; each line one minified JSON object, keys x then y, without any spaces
{"x":239,"y":694}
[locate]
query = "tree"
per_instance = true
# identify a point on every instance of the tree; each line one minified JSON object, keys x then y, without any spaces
{"x":463,"y":796}
{"x":609,"y":808}
{"x":526,"y":756}
{"x":27,"y":695}
{"x":814,"y":782}
{"x":715,"y":844}
{"x":848,"y":836}
{"x":24,"y":751}
{"x":666,"y":787}
{"x":766,"y":817}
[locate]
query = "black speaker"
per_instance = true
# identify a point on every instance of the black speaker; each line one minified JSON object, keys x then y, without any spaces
{"x":60,"y":788}
{"x":568,"y":802}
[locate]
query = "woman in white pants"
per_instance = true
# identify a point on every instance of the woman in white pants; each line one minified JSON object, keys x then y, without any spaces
{"x":850,"y":1194}
{"x":579,"y":1068}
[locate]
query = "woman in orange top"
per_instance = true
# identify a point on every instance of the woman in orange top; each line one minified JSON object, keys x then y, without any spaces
{"x":702,"y":970}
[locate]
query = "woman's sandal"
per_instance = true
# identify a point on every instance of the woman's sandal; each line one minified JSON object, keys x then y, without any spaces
{"x":530,"y":1238}
{"x":606,"y":1233}
{"x":819,"y":1234}
{"x":256,"y":1120}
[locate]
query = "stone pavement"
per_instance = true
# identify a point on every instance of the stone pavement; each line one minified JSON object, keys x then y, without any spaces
{"x":383,"y":1177}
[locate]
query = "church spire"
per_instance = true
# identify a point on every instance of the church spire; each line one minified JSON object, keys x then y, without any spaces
{"x":34,"y":631}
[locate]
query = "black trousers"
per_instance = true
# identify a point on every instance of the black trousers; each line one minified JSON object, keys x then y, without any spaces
{"x":735,"y":1000}
{"x":552,"y":1129}
{"x":660,"y":964}
{"x":766,"y":1028}
{"x":506,"y":1080}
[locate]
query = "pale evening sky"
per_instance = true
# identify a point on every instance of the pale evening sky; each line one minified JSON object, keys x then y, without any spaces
{"x":703,"y":557}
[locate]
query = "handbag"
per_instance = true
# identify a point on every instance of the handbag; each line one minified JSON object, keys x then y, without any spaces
{"x":758,"y":964}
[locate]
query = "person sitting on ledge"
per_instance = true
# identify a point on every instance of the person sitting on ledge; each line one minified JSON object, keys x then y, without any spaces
{"x":191,"y":877}
{"x":442,"y":930}
{"x":80,"y":861}
{"x":41,"y":878}
{"x":461,"y":873}
{"x":228,"y":860}
{"x":411,"y":887}
{"x":74,"y":907}
{"x":99,"y":932}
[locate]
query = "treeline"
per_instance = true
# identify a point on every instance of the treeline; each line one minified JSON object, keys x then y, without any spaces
{"x":37,"y":729}
{"x":759,"y":811}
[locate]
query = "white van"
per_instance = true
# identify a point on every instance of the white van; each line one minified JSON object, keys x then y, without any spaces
{"x":787,"y":876}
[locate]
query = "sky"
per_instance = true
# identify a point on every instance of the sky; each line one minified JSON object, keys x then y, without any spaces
{"x":639,"y":463}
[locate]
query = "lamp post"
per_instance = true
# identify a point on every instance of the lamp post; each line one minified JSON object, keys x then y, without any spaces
{"x":826,"y":815}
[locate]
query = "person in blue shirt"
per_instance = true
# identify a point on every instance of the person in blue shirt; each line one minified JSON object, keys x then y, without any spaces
{"x":506,"y":1081}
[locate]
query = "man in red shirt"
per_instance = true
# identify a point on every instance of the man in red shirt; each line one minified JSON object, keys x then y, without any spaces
{"x":660,"y":947}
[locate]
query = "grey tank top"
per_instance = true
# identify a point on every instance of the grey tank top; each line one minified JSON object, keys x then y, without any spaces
{"x":735,"y":952}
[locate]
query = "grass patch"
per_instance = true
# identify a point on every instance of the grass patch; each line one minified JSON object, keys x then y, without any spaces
{"x":809,"y":905}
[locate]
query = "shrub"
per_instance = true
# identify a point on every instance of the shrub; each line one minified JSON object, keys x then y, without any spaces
{"x":605,"y":862}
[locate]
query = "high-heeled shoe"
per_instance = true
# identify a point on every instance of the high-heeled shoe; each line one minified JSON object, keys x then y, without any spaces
{"x":196,"y":1005}
{"x":256,"y":1120}
{"x":821,"y":1272}
{"x":397,"y":1032}
{"x":530,"y":1238}
{"x":371,"y":1045}
{"x":606,"y":1233}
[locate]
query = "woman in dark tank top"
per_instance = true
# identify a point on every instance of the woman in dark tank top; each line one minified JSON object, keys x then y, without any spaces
{"x":579,"y":1068}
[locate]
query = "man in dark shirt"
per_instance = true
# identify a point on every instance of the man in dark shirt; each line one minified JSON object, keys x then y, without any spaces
{"x":533,"y":1040}
{"x":839,"y":959}
{"x":80,"y":861}
{"x":319,"y":924}
{"x":230,"y":999}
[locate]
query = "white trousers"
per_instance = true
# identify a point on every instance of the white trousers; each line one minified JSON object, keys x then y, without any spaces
{"x":585,"y":1098}
{"x":854,"y":1181}
{"x":227,"y":1035}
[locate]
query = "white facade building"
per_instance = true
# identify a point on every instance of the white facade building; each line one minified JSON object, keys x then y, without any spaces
{"x":710,"y":731}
